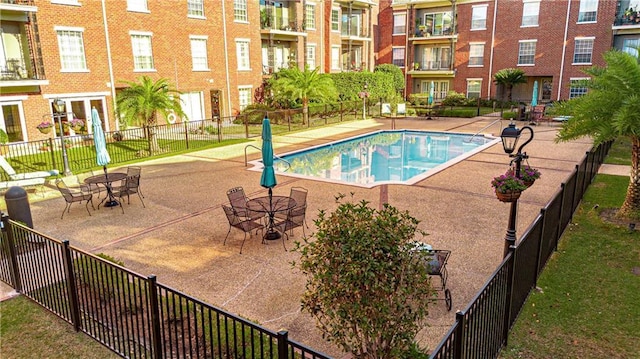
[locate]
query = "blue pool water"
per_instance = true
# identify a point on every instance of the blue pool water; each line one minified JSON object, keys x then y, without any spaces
{"x":403,"y":157}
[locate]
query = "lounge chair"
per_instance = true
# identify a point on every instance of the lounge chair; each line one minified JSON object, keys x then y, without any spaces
{"x":36,"y":178}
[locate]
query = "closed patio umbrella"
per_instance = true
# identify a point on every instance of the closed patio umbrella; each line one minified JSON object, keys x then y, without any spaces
{"x":268,"y":178}
{"x":431,"y":90}
{"x":534,"y":98}
{"x":102,"y":155}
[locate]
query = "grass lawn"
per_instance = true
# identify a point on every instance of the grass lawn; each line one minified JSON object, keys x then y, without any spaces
{"x":587,"y":302}
{"x":28,"y":331}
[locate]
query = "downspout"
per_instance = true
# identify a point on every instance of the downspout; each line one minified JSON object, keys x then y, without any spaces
{"x":110,"y":64}
{"x":409,"y":9}
{"x":493,"y":41}
{"x":564,"y":49}
{"x":226,"y":58}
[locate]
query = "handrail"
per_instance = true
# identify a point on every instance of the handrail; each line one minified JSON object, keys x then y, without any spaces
{"x":485,"y":127}
{"x":275,"y":156}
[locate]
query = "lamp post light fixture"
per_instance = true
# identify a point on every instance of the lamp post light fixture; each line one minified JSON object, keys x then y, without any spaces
{"x":510,"y":136}
{"x":59,"y":114}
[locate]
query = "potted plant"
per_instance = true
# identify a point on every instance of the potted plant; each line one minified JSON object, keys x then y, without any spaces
{"x":416,"y":65}
{"x":528,"y":175}
{"x":45,"y":127}
{"x":508,"y":187}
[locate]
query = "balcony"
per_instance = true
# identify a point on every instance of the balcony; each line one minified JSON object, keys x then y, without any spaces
{"x":627,"y":18}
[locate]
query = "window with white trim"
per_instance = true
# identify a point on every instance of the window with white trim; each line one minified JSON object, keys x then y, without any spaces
{"x":240,"y":10}
{"x":583,"y":51}
{"x":530,"y":13}
{"x":12,"y":120}
{"x":479,"y":17}
{"x":71,"y":47}
{"x":527,"y":52}
{"x":311,"y":56}
{"x":137,"y":5}
{"x":398,"y":56}
{"x":399,"y":23}
{"x":244,"y":97}
{"x":335,"y":57}
{"x":199,"y":52}
{"x":588,"y":11}
{"x":142,"y":54}
{"x":309,"y":17}
{"x":578,"y":87}
{"x":242,"y":53}
{"x":473,"y":88}
{"x":335,"y":19}
{"x":195,"y":8}
{"x":476,"y":53}
{"x":631,"y":46}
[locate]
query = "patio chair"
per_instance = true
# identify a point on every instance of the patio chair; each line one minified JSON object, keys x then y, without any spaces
{"x":74,"y":194}
{"x":94,"y":188}
{"x":130,"y":186}
{"x":294,"y":219}
{"x":242,"y":223}
{"x":298,"y":194}
{"x":238,"y":201}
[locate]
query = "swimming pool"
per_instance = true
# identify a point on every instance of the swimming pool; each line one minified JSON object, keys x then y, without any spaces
{"x":382,"y":157}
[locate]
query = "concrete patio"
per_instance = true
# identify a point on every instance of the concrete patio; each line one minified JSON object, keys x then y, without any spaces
{"x":179,"y":236}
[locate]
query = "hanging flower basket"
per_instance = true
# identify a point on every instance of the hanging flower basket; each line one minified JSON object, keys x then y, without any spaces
{"x":45,"y":130}
{"x":510,"y":196}
{"x":528,"y":183}
{"x":45,"y":127}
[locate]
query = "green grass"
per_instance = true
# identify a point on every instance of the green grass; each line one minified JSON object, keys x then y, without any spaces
{"x":620,"y":153}
{"x":588,"y":303}
{"x":28,"y":331}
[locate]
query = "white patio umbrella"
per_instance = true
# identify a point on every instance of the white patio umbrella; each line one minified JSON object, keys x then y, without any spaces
{"x":102,"y":155}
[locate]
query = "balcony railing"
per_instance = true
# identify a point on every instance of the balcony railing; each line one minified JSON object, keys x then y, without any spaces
{"x":281,"y":23}
{"x":628,"y":17}
{"x":354,"y":32}
{"x":432,"y":65}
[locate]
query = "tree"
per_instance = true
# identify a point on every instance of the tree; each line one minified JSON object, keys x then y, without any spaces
{"x":140,"y":103}
{"x":509,"y":77}
{"x":398,"y":76}
{"x":611,"y":109}
{"x":366,"y":289}
{"x":307,"y":85}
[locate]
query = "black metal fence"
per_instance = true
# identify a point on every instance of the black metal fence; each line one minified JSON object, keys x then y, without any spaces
{"x":136,"y":143}
{"x":133,"y":315}
{"x":481,"y":329}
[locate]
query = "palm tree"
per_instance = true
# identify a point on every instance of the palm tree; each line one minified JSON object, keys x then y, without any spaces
{"x":140,"y":103}
{"x":307,"y":85}
{"x":611,"y":109}
{"x":509,"y":77}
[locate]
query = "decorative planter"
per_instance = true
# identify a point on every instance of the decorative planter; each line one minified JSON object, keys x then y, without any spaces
{"x":45,"y":130}
{"x":510,"y":196}
{"x":529,"y":183}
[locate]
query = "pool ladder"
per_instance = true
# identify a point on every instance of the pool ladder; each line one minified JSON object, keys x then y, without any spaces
{"x":484,"y":128}
{"x":259,"y":149}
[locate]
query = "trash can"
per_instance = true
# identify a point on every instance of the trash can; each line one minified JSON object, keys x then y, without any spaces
{"x":18,"y":205}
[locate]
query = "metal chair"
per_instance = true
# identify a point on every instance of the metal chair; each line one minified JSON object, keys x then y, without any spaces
{"x":131,"y":185}
{"x":298,"y":194}
{"x":242,"y":223}
{"x":295,"y":218}
{"x":74,"y":194}
{"x":238,"y":201}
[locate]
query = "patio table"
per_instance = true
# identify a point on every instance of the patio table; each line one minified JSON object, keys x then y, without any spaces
{"x":271,"y":206}
{"x":106,"y":180}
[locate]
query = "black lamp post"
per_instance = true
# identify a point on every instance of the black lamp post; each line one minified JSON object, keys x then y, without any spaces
{"x":60,"y":113}
{"x":510,"y":136}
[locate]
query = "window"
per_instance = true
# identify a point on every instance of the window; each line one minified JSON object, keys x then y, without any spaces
{"x":530,"y":13}
{"x":438,"y":23}
{"x":588,"y":11}
{"x":631,"y":46}
{"x":142,"y":55}
{"x":578,"y":87}
{"x":242,"y":52}
{"x":476,"y":54}
{"x":527,"y":52}
{"x":71,"y":48}
{"x":473,"y":88}
{"x":240,"y":10}
{"x":335,"y":57}
{"x":583,"y":51}
{"x":137,"y":5}
{"x":199,"y":52}
{"x":479,"y":17}
{"x":195,"y":8}
{"x":399,"y":24}
{"x":244,"y":97}
{"x":335,"y":19}
{"x":311,"y":56}
{"x":310,"y":17}
{"x":12,"y":120}
{"x":398,"y":56}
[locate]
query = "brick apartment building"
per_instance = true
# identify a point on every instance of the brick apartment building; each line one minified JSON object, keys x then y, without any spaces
{"x":217,"y":53}
{"x":460,"y":45}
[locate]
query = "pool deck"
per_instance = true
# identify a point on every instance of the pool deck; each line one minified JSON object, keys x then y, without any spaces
{"x":179,"y":236}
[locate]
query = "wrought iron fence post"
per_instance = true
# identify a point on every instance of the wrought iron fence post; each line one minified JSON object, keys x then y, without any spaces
{"x":155,"y":316}
{"x":186,"y":134}
{"x":543,"y":214}
{"x":246,"y":126}
{"x":457,"y":349}
{"x":72,"y":289}
{"x":13,"y":259}
{"x":575,"y":190}
{"x":219,"y":124}
{"x":509,"y":294}
{"x":283,"y":339}
{"x":560,"y":225}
